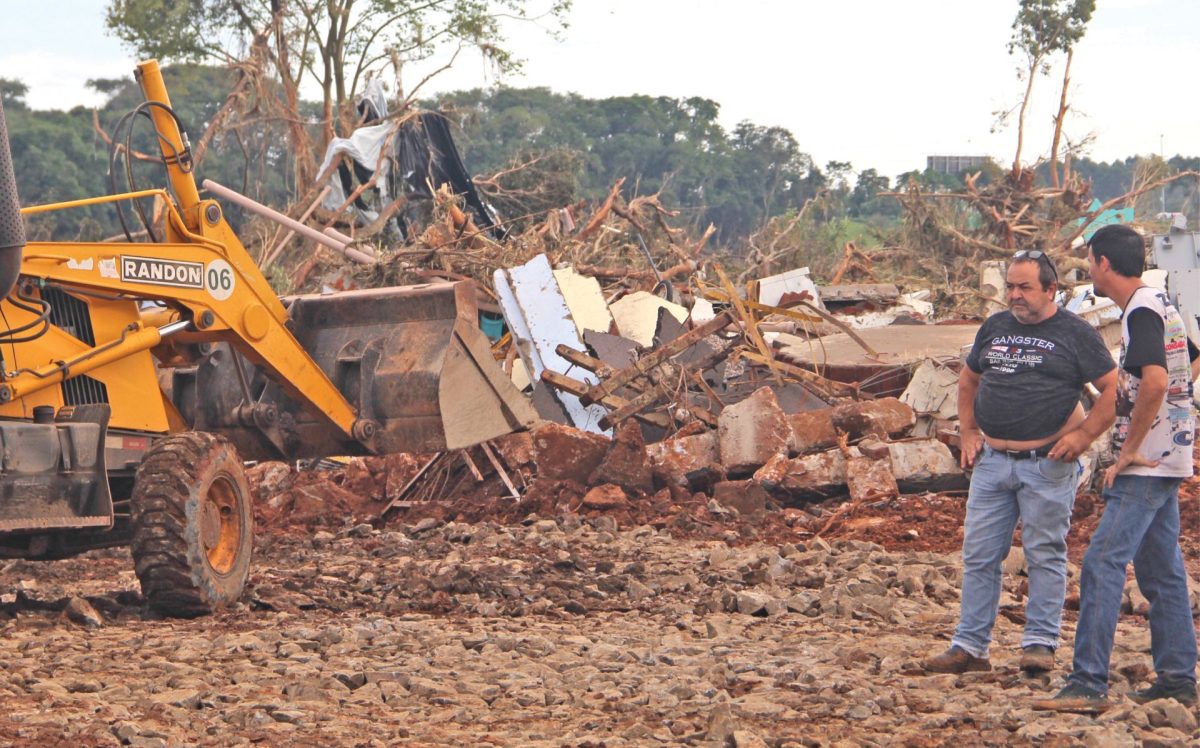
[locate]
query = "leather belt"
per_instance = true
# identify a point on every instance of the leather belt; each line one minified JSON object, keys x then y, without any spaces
{"x":1026,"y":454}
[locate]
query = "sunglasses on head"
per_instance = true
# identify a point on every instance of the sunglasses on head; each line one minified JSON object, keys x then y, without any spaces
{"x":1036,"y":254}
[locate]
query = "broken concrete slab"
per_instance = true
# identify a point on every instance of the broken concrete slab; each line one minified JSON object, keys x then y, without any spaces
{"x":667,"y":328}
{"x":925,"y":465}
{"x":992,"y":277}
{"x":746,"y":496}
{"x":626,"y":463}
{"x":752,"y":431}
{"x":565,"y":453}
{"x":812,"y":430}
{"x":818,"y":429}
{"x":614,"y":350}
{"x":636,"y":315}
{"x":516,"y":450}
{"x":870,"y":479}
{"x":885,"y":416}
{"x":688,"y":461}
{"x":780,"y":473}
{"x":841,"y":358}
{"x":835,"y":297}
{"x":1100,"y":312}
{"x":824,"y":475}
{"x":809,"y":477}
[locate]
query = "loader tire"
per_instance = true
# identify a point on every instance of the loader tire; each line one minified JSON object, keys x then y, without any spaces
{"x":192,"y":525}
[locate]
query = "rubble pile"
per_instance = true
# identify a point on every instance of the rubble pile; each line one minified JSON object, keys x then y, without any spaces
{"x":671,"y":393}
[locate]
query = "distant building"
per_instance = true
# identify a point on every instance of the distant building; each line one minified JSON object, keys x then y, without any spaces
{"x":954,"y":164}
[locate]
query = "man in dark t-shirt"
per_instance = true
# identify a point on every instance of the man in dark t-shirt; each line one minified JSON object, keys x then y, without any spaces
{"x":1022,"y":428}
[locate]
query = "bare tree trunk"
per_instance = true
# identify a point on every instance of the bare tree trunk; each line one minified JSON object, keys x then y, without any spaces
{"x":1058,"y":122}
{"x":302,"y":155}
{"x":341,"y":23}
{"x":328,"y":61}
{"x":1033,"y":66}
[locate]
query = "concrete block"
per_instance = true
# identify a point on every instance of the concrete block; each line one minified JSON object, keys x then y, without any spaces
{"x":886,"y":416}
{"x":752,"y":432}
{"x":626,"y":463}
{"x":564,"y":453}
{"x":606,"y":496}
{"x":870,"y":479}
{"x":780,"y":473}
{"x":747,"y":497}
{"x":810,"y":477}
{"x":688,"y":461}
{"x":812,"y":430}
{"x":824,"y":473}
{"x":925,"y":465}
{"x":516,"y":450}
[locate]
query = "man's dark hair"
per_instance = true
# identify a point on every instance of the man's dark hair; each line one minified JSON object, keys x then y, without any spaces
{"x":1123,"y":247}
{"x":1046,"y":273}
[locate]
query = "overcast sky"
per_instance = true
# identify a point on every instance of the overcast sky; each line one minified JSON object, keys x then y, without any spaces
{"x":878,"y":83}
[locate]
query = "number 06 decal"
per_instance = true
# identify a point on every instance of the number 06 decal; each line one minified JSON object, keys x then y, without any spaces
{"x":218,"y":279}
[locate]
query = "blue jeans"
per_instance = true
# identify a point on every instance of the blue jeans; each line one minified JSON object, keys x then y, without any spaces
{"x":1040,"y":492}
{"x":1140,"y":524}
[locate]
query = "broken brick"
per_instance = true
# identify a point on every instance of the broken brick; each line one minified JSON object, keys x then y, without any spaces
{"x":607,"y":496}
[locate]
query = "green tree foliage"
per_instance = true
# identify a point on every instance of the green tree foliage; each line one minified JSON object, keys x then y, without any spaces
{"x":676,"y":147}
{"x":1041,"y":29}
{"x":59,"y":155}
{"x":12,"y":93}
{"x":737,"y":180}
{"x":337,"y":44}
{"x":865,"y":200}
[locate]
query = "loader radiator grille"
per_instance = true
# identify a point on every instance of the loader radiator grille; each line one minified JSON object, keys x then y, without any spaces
{"x":83,"y":390}
{"x":70,"y":314}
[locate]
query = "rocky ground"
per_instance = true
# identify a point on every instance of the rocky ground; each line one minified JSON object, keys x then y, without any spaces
{"x":568,"y":630}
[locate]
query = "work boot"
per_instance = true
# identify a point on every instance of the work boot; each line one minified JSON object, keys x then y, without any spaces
{"x":955,"y":660}
{"x":1037,"y":658}
{"x":1183,"y":691}
{"x":1074,"y":698}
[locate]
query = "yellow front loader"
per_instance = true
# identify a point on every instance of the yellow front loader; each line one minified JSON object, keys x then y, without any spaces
{"x":135,"y":379}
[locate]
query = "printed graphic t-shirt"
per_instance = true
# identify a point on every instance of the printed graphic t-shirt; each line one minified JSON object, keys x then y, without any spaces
{"x":1031,"y":376}
{"x":1171,"y":434}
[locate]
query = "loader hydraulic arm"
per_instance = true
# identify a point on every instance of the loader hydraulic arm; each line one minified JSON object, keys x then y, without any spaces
{"x":203,"y":271}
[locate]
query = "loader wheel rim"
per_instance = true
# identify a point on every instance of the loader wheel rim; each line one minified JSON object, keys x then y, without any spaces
{"x":221,"y":525}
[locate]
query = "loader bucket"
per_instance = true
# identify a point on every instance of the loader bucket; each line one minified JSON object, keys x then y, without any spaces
{"x":412,"y":360}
